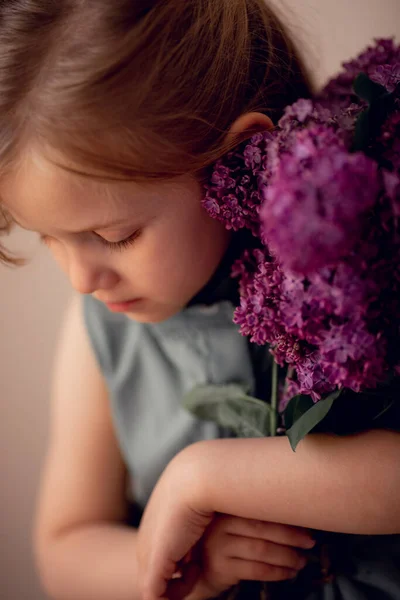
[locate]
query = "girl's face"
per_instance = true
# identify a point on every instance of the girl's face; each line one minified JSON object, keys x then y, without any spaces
{"x":145,"y":250}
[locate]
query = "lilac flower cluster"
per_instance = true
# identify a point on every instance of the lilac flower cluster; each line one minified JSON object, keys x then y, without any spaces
{"x":232,"y":194}
{"x":233,"y":190}
{"x":381,"y":62}
{"x":319,"y":196}
{"x":334,"y":327}
{"x":323,"y":289}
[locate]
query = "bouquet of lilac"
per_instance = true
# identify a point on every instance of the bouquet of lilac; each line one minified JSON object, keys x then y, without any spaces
{"x":321,"y":192}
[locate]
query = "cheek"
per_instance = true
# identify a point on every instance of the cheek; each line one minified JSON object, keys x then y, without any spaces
{"x":206,"y":242}
{"x":178,"y":254}
{"x":157,"y":262}
{"x":165,"y":257}
{"x":187,"y":255}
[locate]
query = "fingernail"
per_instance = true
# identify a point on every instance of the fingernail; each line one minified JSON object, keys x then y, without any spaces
{"x":177,"y":575}
{"x":310,"y":543}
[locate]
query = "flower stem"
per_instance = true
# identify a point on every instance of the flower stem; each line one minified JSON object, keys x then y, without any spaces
{"x":274,"y":398}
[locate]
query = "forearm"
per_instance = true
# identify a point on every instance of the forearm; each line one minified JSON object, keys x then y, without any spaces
{"x":348,"y":484}
{"x":91,"y":562}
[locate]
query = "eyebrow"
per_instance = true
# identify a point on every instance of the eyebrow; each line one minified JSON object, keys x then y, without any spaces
{"x":100,"y":226}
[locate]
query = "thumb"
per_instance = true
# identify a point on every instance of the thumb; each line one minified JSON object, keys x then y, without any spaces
{"x":177,"y":589}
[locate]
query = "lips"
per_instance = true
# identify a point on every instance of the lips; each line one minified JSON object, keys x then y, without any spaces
{"x":122,"y":306}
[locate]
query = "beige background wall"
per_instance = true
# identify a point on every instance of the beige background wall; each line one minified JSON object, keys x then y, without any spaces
{"x":32,"y":300}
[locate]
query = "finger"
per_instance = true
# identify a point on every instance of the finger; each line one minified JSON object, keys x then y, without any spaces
{"x":263,"y":551}
{"x":179,"y":588}
{"x":274,"y":532}
{"x":259,"y":571}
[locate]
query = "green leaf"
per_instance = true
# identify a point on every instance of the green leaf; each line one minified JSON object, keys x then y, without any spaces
{"x":230,"y":406}
{"x":384,"y":410}
{"x":363,"y":131}
{"x":380,"y":104}
{"x":368,"y":90}
{"x":310,"y":419}
{"x":297,"y":406}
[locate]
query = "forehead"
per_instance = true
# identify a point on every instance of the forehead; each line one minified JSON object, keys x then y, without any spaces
{"x":42,"y":196}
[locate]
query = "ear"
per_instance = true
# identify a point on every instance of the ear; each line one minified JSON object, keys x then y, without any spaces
{"x":248,"y":124}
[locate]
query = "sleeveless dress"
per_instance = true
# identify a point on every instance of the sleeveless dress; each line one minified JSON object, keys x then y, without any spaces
{"x":149,"y":367}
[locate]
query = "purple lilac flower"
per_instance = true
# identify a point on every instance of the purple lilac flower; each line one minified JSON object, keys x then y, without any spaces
{"x":387,"y":75}
{"x":260,"y":281}
{"x":233,"y":190}
{"x":328,"y":347}
{"x":232,"y":193}
{"x":339,"y":90}
{"x":303,"y":113}
{"x":315,"y":201}
{"x":324,"y":291}
{"x":311,"y":378}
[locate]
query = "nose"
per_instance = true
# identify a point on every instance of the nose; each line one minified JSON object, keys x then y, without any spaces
{"x":87,"y":278}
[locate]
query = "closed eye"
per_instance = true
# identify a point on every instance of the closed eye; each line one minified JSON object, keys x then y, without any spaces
{"x":122,"y":244}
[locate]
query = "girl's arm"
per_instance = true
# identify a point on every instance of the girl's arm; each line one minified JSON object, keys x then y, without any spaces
{"x":82,"y":548}
{"x":346,"y":484}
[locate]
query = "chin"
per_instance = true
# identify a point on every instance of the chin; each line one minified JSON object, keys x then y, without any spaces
{"x":158,"y":315}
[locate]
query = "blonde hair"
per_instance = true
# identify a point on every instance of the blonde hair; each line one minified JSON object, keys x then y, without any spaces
{"x":138,"y":89}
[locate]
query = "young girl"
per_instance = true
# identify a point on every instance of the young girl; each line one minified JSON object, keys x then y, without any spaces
{"x":110,"y":114}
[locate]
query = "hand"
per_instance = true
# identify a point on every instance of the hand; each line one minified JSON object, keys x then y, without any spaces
{"x":234,"y":549}
{"x":170,"y":527}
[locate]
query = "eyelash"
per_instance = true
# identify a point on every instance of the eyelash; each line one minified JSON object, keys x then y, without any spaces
{"x":116,"y":246}
{"x":123,"y":244}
